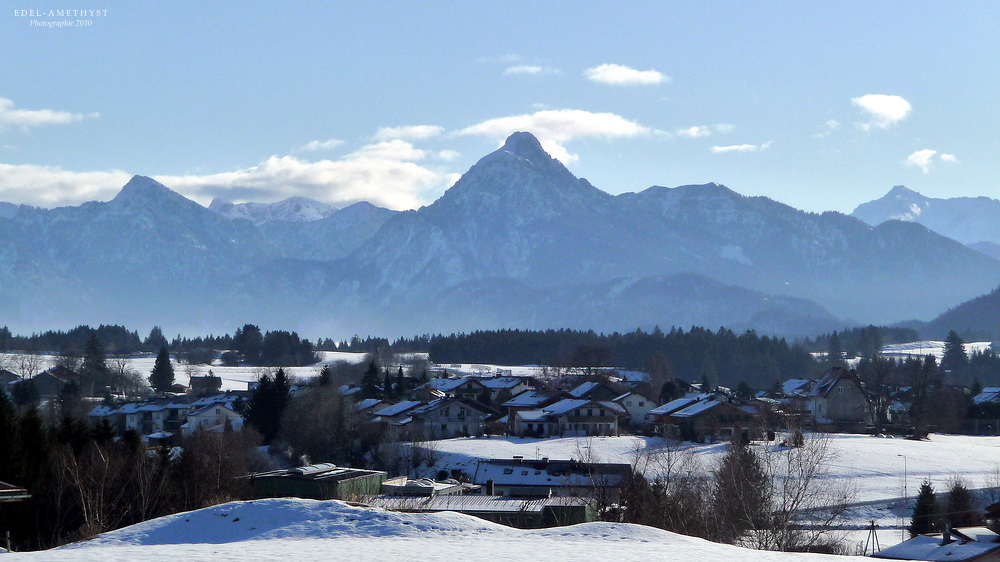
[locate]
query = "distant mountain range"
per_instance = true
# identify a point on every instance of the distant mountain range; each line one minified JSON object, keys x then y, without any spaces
{"x":518,"y":241}
{"x":974,"y":221}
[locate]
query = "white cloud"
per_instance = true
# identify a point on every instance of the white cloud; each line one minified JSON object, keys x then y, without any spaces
{"x":448,"y":154}
{"x":619,"y":75}
{"x":383,"y":173}
{"x":921,"y":159}
{"x":827,"y":128}
{"x":884,"y":111}
{"x":724,"y":128}
{"x":51,"y":186}
{"x":389,"y":150}
{"x":555,"y":127}
{"x":24,"y":118}
{"x":741,"y":148}
{"x":695,"y":131}
{"x":411,"y":132}
{"x":924,"y":159}
{"x":523,"y":69}
{"x":321,"y":145}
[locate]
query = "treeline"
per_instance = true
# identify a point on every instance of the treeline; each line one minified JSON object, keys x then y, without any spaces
{"x":719,"y":357}
{"x":861,"y":342}
{"x":83,"y":480}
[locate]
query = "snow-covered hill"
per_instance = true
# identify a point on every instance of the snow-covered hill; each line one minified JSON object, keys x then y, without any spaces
{"x":283,"y":529}
{"x":293,"y":209}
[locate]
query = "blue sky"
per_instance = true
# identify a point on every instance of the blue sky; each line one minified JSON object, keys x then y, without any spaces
{"x":821,"y":106}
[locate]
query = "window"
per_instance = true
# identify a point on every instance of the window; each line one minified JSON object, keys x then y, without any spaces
{"x":508,"y":471}
{"x":447,"y":412}
{"x":578,"y":412}
{"x":641,"y":404}
{"x":600,"y":412}
{"x":590,"y":412}
{"x":524,"y":473}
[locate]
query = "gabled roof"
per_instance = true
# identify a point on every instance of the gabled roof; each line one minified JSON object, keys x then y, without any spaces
{"x":498,"y":383}
{"x":696,"y":409}
{"x":61,"y":373}
{"x":586,"y":388}
{"x":923,"y":547}
{"x":796,"y":387}
{"x":203,"y":409}
{"x":675,"y":405}
{"x":367,"y":403}
{"x":830,"y":380}
{"x":531,"y":398}
{"x":214,"y":399}
{"x":449,"y":385}
{"x":102,"y":411}
{"x":449,"y":401}
{"x":632,"y":393}
{"x":399,"y":408}
{"x":988,"y":394}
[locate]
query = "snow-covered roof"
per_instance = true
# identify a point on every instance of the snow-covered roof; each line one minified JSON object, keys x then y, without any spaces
{"x":498,"y":383}
{"x":584,"y":388}
{"x":102,"y":411}
{"x":399,"y":408}
{"x":830,"y":380}
{"x":924,"y":547}
{"x":695,"y":409}
{"x":207,"y":407}
{"x":367,"y":403}
{"x":528,"y":399}
{"x":988,"y":394}
{"x":677,"y":404}
{"x":217,"y":398}
{"x":794,"y":387}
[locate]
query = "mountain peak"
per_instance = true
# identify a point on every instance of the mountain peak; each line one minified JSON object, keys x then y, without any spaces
{"x":141,"y":185}
{"x":902,"y":192}
{"x":525,"y":145}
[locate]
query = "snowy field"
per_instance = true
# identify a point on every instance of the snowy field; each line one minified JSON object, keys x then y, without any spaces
{"x":233,"y":378}
{"x":283,"y":529}
{"x":876,"y":469}
{"x":920,"y":349}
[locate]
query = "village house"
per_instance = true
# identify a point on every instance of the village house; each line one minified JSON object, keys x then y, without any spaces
{"x":470,"y":388}
{"x":839,"y":402}
{"x":452,"y":417}
{"x":570,"y":417}
{"x":532,"y":400}
{"x":637,"y":405}
{"x":512,"y":385}
{"x":593,"y":390}
{"x":658,"y":419}
{"x":213,"y":417}
{"x":523,"y":478}
{"x":714,"y":419}
{"x":396,"y":414}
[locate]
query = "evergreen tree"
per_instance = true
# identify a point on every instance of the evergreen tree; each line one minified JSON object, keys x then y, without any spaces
{"x":400,"y":383}
{"x":161,"y":378}
{"x":925,"y":511}
{"x":325,"y":376}
{"x":267,"y":403}
{"x":94,"y":373}
{"x":387,"y":386}
{"x":960,"y":511}
{"x":370,"y":381}
{"x":954,"y":361}
{"x":835,"y":351}
{"x":742,"y":495}
{"x":155,"y":339}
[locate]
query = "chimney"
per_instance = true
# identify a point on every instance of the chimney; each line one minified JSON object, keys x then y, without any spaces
{"x":946,"y":535}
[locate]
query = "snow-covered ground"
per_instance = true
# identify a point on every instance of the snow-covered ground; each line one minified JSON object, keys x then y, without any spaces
{"x":283,"y":529}
{"x":876,"y":469}
{"x":929,"y":347}
{"x":233,"y":378}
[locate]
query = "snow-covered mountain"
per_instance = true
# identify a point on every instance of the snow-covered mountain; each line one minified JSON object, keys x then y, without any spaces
{"x":518,"y":241}
{"x":966,"y":219}
{"x":293,"y":209}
